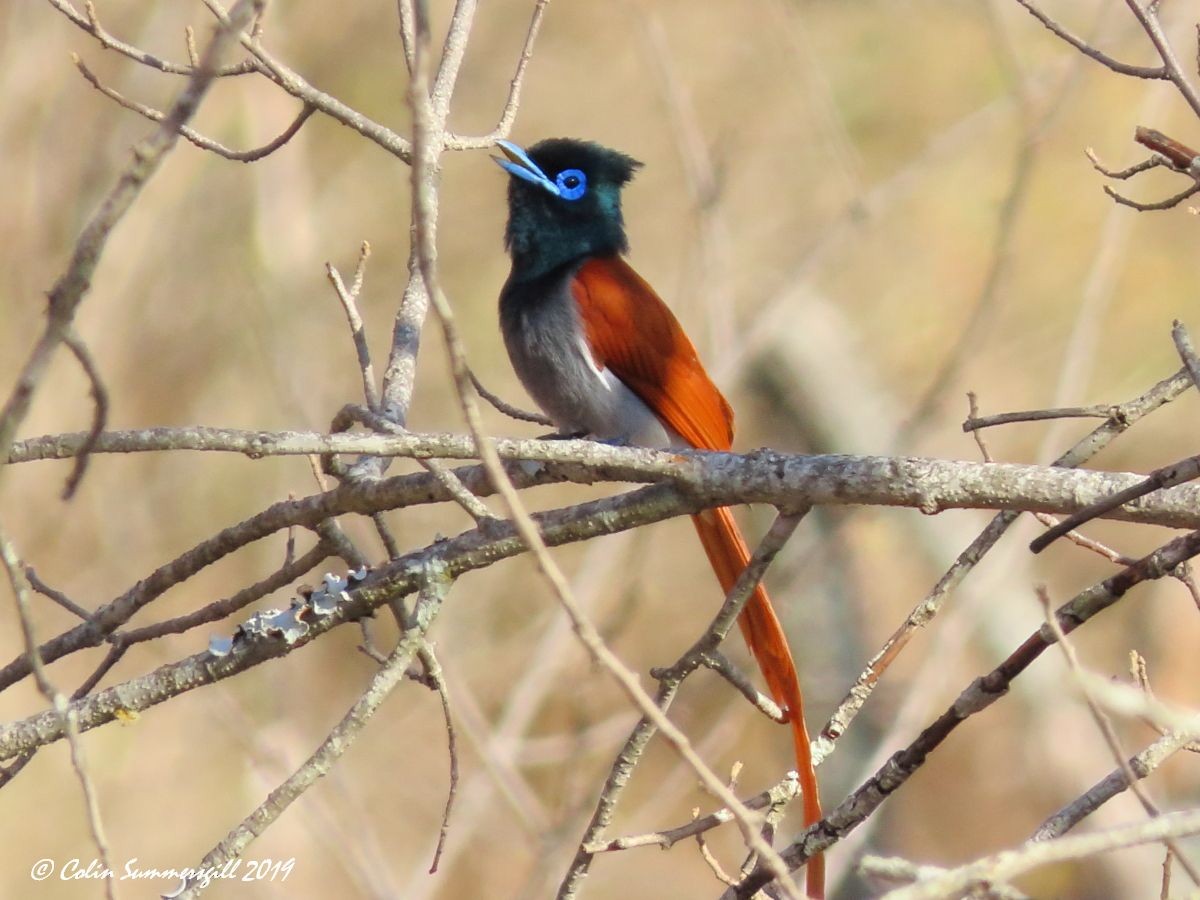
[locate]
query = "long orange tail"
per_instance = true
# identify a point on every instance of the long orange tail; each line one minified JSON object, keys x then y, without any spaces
{"x":729,"y":555}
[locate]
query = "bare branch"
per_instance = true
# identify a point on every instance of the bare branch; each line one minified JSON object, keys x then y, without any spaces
{"x":189,"y":133}
{"x":385,"y":535}
{"x":1154,"y":72}
{"x":1187,"y":353}
{"x":779,"y":795}
{"x":338,"y":741}
{"x":74,"y":283}
{"x":508,"y":409}
{"x":433,"y":672}
{"x":978,"y":696}
{"x":930,"y":485}
{"x":1049,"y":521}
{"x":470,"y":550}
{"x":99,"y":409}
{"x":720,"y":664}
{"x":1170,"y":203}
{"x":1169,"y":476}
{"x":509,"y":114}
{"x":57,"y":596}
{"x":349,"y":301}
{"x":669,"y":682}
{"x":1104,"y":723}
{"x":1120,"y":419}
{"x":1145,"y":165}
{"x":222,"y":609}
{"x":91,"y":25}
{"x":973,"y":423}
{"x":292,"y":82}
{"x":1169,"y":153}
{"x":441,"y":90}
{"x":59,"y":707}
{"x":887,"y":869}
{"x":1005,"y":866}
{"x":1141,"y":765}
{"x":1147,"y":17}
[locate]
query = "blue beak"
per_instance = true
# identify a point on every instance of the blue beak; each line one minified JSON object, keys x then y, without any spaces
{"x":521,"y":166}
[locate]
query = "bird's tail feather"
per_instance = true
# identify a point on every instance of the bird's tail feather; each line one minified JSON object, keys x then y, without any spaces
{"x":728,"y":554}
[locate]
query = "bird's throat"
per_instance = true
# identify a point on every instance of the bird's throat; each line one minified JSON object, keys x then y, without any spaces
{"x":539,"y":244}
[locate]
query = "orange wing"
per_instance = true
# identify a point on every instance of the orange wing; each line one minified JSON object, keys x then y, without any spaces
{"x":661,"y":366}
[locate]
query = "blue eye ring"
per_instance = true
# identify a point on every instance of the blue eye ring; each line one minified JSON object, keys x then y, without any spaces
{"x":571,"y":184}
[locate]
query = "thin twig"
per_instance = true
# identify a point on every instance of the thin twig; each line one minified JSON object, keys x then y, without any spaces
{"x":513,"y":412}
{"x":349,"y":300}
{"x":192,"y":135}
{"x":293,"y":83}
{"x":1037,"y":415}
{"x":1153,"y":72}
{"x":1121,"y":418}
{"x":508,"y":115}
{"x":1147,"y":16}
{"x":1087,"y":543}
{"x":319,"y":763}
{"x":1010,"y":864}
{"x":462,"y":495}
{"x":893,"y":870}
{"x":1140,"y":765}
{"x":79,"y":350}
{"x":1184,"y":575}
{"x":1047,"y":520}
{"x":670,"y":679}
{"x":1177,"y":156}
{"x":982,"y":693}
{"x":1105,"y":725}
{"x":74,"y":283}
{"x":1170,"y":203}
{"x":15,"y":767}
{"x":1177,"y":473}
{"x":1152,"y":162}
{"x":1187,"y":353}
{"x":1133,"y":701}
{"x":502,"y":770}
{"x":1168,"y":152}
{"x":221,"y":609}
{"x":90,"y":24}
{"x":1169,"y":476}
{"x":189,"y":40}
{"x":433,"y":672}
{"x":116,"y":650}
{"x":21,"y":589}
{"x":711,"y":861}
{"x":781,"y":794}
{"x":385,"y":535}
{"x":720,"y":664}
{"x":453,"y":485}
{"x":57,"y":596}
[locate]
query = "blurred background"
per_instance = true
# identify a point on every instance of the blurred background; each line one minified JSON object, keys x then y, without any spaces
{"x":859,"y":211}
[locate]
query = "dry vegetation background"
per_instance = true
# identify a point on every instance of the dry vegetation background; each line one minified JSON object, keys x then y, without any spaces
{"x":864,"y":156}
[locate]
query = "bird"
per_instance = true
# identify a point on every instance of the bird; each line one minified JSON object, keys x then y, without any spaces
{"x":603,"y":356}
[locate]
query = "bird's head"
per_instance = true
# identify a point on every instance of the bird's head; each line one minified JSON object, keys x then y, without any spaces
{"x":564,"y":202}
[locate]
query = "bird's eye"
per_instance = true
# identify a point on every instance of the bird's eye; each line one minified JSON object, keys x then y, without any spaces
{"x":572,"y":184}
